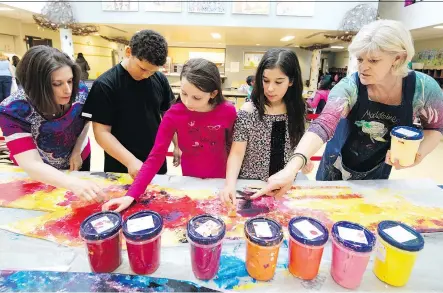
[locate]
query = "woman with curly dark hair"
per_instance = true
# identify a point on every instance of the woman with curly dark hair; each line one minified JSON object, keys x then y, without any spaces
{"x":126,"y":104}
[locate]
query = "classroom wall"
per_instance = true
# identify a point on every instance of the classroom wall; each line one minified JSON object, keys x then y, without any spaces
{"x":418,"y":15}
{"x":428,"y":44}
{"x":341,"y":59}
{"x":97,"y":51}
{"x":90,"y":11}
{"x":235,"y":54}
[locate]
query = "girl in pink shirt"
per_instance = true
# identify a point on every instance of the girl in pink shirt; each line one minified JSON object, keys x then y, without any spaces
{"x":203,"y":121}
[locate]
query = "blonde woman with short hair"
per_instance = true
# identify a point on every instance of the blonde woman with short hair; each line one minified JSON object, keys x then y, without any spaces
{"x":364,"y":107}
{"x":6,"y":76}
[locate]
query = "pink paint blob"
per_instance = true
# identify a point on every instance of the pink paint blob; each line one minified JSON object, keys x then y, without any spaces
{"x":348,"y":266}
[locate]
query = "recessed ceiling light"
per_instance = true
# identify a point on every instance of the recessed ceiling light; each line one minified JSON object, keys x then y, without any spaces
{"x":6,"y":9}
{"x":337,"y":47}
{"x":257,"y":44}
{"x":216,"y":35}
{"x":287,"y":38}
{"x":439,"y":26}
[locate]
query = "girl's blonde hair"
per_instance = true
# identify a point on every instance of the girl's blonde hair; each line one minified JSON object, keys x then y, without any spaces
{"x":388,"y":36}
{"x":3,"y":57}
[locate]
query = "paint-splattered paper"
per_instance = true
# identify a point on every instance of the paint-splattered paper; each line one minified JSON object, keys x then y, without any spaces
{"x":43,"y":281}
{"x":326,"y":202}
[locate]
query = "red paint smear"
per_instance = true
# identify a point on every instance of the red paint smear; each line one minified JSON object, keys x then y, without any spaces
{"x":69,"y":198}
{"x":175,"y":211}
{"x":420,"y":221}
{"x":112,"y":191}
{"x":69,"y":225}
{"x":437,"y":222}
{"x":14,"y":190}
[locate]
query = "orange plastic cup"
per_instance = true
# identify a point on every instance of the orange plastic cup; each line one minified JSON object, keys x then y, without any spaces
{"x":263,"y":239}
{"x":307,"y":240}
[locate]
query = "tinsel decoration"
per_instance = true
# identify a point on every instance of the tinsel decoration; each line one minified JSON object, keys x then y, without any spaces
{"x":119,"y":40}
{"x":345,"y":37}
{"x":315,"y":47}
{"x":58,"y":14}
{"x":353,"y":21}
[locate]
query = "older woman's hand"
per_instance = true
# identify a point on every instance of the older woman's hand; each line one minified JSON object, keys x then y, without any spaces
{"x":278,"y":184}
{"x":396,"y":163}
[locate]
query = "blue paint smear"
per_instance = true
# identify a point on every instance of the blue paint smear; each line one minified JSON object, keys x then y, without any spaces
{"x":42,"y":281}
{"x":231,"y":270}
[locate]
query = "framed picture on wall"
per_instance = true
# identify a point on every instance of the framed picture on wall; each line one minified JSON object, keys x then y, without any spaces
{"x":252,"y":59}
{"x":248,"y":7}
{"x":117,"y":5}
{"x":163,"y":6}
{"x":206,"y":6}
{"x":303,"y":8}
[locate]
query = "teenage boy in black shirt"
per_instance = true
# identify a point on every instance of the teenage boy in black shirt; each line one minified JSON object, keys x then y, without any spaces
{"x":126,"y":104}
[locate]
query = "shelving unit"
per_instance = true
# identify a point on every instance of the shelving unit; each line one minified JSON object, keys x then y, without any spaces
{"x":435,"y":73}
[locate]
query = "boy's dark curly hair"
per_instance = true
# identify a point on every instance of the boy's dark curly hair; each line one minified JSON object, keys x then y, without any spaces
{"x":148,"y":45}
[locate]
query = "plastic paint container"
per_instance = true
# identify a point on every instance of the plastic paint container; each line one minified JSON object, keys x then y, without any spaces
{"x":205,"y":233}
{"x":397,"y":248}
{"x":352,"y":245}
{"x":307,"y":240}
{"x":405,"y":142}
{"x":142,"y":232}
{"x":101,"y":234}
{"x":263,"y":239}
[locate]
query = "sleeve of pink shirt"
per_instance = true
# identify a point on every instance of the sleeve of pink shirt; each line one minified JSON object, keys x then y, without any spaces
{"x":156,"y":157}
{"x":315,"y":100}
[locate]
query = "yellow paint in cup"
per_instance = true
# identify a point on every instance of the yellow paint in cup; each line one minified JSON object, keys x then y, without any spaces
{"x":405,"y":141}
{"x":397,"y":248}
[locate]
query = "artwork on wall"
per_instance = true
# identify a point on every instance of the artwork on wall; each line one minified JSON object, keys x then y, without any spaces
{"x":116,"y":5}
{"x":303,"y":8}
{"x":252,"y":59}
{"x":163,"y":6}
{"x":206,"y":6}
{"x":248,"y":7}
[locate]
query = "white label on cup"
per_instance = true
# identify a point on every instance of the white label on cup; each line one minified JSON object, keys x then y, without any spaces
{"x":352,"y":235}
{"x":406,"y":132}
{"x":380,"y":251}
{"x":308,"y":230}
{"x":262,"y":229}
{"x":208,"y":228}
{"x":139,"y":224}
{"x":400,"y":234}
{"x":102,"y":224}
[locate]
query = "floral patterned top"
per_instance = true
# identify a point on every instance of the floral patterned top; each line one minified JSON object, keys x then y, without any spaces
{"x":427,"y":105}
{"x":25,"y":129}
{"x":268,"y":144}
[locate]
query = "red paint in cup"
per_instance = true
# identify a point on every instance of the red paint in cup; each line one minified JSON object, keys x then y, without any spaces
{"x":101,"y":234}
{"x":142,"y":232}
